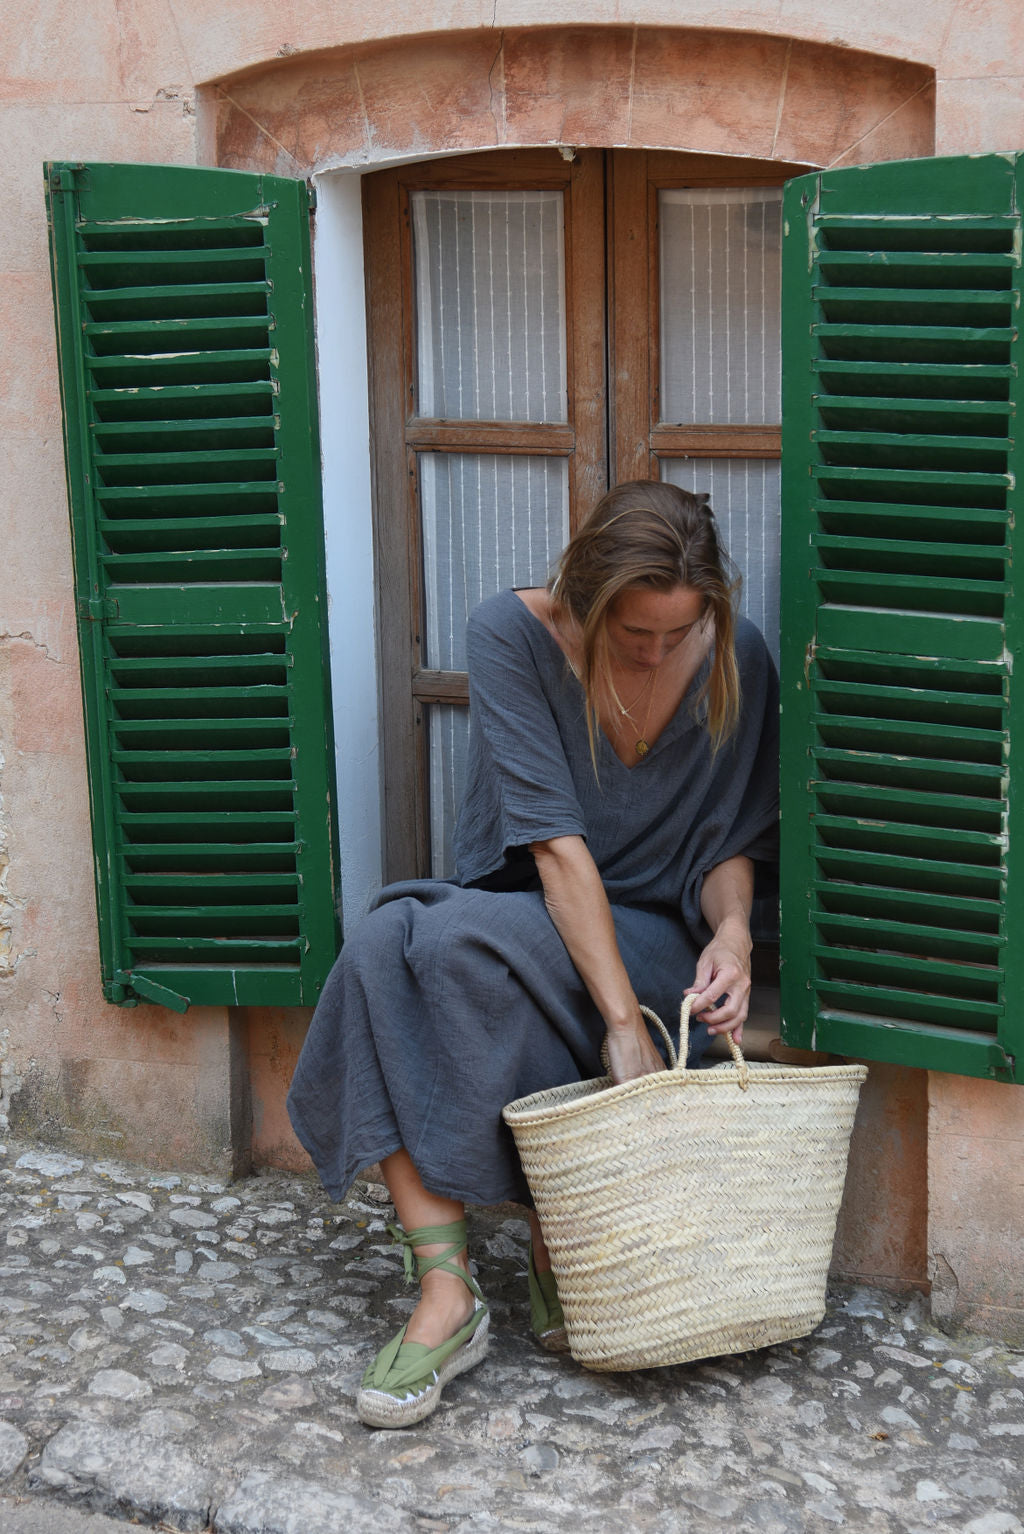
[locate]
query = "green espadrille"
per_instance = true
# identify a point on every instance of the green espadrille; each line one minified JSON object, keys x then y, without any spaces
{"x":404,"y":1383}
{"x":546,"y":1315}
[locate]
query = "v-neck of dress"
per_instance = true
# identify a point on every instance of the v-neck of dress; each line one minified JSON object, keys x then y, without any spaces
{"x":681,"y":715}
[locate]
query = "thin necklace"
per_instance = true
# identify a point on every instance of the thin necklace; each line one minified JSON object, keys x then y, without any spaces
{"x":628,"y":711}
{"x":641,"y":746}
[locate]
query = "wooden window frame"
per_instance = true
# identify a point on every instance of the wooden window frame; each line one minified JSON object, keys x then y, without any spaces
{"x":614,"y":432}
{"x":640,"y":439}
{"x":399,"y":436}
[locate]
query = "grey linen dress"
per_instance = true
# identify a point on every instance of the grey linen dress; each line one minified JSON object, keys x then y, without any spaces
{"x":452,"y":998}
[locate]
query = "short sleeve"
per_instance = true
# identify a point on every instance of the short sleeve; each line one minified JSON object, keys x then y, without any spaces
{"x":519,"y":786}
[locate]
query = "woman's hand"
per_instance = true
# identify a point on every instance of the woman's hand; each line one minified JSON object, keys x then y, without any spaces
{"x":631,"y":1052}
{"x":723,"y":971}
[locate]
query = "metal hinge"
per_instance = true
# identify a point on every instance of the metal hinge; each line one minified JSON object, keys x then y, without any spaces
{"x":64,"y":178}
{"x":97,"y":609}
{"x":150,"y":990}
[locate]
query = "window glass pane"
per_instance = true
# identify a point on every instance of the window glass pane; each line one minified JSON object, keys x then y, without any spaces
{"x":720,"y":306}
{"x":490,"y":305}
{"x":489,"y":521}
{"x":745,"y":500}
{"x":448,"y":727}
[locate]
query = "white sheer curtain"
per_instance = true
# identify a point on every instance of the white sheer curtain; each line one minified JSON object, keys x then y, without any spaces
{"x":720,"y":305}
{"x":490,"y":346}
{"x":490,"y":305}
{"x":721,"y":365}
{"x":489,"y":521}
{"x":448,"y":726}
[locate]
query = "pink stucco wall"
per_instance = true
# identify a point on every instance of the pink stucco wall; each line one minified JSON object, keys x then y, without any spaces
{"x":705,"y":91}
{"x":882,"y":1232}
{"x":297,"y":87}
{"x":976,"y":1204}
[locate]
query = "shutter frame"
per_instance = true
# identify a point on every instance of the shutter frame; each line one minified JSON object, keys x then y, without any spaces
{"x":902,"y":632}
{"x":183,"y":307}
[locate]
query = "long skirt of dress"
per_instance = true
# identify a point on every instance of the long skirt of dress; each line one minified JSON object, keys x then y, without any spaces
{"x":447,"y":1003}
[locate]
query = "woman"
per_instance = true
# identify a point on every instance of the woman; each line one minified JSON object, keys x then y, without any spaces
{"x":622,"y":789}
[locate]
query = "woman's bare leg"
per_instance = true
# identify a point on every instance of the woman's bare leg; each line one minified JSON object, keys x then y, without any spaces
{"x":445,"y":1303}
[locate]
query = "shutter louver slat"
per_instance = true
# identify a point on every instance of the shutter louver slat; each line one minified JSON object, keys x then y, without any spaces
{"x":217,"y":883}
{"x":897,"y":674}
{"x":214,"y":366}
{"x":929,"y":380}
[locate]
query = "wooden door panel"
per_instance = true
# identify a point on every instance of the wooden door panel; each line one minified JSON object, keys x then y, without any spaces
{"x":412,"y":682}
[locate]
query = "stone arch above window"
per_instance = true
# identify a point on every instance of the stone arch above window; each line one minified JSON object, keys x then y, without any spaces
{"x":705,"y":91}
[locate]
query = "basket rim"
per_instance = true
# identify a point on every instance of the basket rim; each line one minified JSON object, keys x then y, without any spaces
{"x":580,"y":1097}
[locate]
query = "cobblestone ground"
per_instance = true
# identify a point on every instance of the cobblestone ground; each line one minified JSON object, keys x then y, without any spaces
{"x":185,"y":1354}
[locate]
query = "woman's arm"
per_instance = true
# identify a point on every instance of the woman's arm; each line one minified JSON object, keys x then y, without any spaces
{"x":578,"y":906}
{"x":723,"y":969}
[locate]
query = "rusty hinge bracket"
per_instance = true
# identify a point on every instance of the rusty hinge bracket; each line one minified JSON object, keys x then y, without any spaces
{"x":97,"y":609}
{"x":810,"y":656}
{"x":64,"y":178}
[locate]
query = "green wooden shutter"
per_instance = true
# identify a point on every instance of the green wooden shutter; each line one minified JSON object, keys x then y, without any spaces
{"x":183,"y":304}
{"x":902,"y":630}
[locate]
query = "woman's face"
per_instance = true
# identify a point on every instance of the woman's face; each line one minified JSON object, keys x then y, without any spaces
{"x":645,"y":626}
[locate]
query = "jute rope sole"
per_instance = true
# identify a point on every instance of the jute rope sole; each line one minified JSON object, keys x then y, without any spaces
{"x":379,"y":1409}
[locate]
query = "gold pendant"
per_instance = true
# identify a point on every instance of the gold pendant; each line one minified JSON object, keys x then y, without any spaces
{"x":642,"y":748}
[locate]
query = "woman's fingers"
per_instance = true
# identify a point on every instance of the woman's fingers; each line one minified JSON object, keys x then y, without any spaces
{"x":731,"y":1014}
{"x":721,"y":990}
{"x":733,"y":1026}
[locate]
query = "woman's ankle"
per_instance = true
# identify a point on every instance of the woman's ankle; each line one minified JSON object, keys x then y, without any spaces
{"x":541,"y":1256}
{"x":445,"y":1305}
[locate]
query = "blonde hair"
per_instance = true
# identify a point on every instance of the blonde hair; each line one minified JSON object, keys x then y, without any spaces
{"x":648,"y":534}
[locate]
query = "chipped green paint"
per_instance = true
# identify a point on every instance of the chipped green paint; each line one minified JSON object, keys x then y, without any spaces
{"x":194,"y":485}
{"x":902,"y":900}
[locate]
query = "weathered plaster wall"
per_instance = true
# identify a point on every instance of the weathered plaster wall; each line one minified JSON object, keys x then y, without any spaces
{"x":275,"y":1036}
{"x":976,"y":1204}
{"x":711,"y":92}
{"x":85,"y":81}
{"x":284,"y":83}
{"x":976,"y":47}
{"x":882,"y":1232}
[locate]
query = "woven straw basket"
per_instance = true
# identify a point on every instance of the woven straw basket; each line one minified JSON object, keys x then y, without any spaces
{"x":689,"y":1213}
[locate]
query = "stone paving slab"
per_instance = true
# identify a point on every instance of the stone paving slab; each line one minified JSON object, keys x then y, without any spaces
{"x":185,"y":1354}
{"x":38,"y":1515}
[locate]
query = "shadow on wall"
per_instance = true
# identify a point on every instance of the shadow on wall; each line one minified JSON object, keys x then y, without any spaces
{"x":274,"y":1037}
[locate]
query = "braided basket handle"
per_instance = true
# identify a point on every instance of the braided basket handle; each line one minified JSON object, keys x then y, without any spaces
{"x":684,"y":1043}
{"x":734,"y":1049}
{"x":652,"y":1017}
